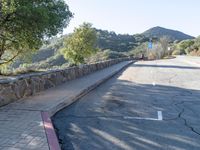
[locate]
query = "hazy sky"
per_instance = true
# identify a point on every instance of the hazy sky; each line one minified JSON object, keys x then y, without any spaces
{"x":136,"y":16}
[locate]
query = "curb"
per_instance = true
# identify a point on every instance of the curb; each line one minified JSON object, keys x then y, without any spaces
{"x":73,"y":99}
{"x":46,"y":116}
{"x":50,"y":132}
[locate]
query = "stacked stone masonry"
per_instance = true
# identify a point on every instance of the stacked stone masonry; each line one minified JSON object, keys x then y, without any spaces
{"x":21,"y":86}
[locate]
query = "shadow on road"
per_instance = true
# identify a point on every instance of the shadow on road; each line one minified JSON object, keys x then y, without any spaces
{"x":96,"y":122}
{"x":165,"y":66}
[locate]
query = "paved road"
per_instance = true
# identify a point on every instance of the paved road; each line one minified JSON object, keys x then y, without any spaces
{"x":122,"y":114}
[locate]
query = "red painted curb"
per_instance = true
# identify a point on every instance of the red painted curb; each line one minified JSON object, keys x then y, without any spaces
{"x":50,"y":132}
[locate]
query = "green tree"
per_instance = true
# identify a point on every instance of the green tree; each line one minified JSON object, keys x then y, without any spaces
{"x":80,"y":44}
{"x":25,"y":24}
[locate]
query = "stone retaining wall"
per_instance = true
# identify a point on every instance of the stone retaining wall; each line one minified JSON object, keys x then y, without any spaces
{"x":17,"y":87}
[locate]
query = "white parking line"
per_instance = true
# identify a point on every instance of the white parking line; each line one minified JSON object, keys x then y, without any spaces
{"x":160,"y":117}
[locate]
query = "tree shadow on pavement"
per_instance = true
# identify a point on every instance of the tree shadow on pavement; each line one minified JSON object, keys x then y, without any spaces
{"x":98,"y":120}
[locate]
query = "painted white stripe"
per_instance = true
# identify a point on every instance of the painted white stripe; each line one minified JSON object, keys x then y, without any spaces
{"x":140,"y":118}
{"x":160,"y":117}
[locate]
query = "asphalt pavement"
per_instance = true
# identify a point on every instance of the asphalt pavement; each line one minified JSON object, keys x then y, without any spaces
{"x":151,"y":105}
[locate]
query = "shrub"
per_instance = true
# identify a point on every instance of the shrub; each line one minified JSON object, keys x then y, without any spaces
{"x":176,"y":52}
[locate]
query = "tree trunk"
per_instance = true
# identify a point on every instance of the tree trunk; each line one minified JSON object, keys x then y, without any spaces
{"x":2,"y":48}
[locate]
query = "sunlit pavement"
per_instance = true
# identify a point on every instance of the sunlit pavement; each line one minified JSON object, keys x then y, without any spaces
{"x":123,"y":112}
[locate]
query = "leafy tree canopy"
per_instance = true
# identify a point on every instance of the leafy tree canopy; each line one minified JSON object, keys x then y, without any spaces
{"x":80,"y":44}
{"x":24,"y":24}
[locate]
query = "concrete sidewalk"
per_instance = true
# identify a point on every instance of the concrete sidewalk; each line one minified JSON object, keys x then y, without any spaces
{"x":24,"y":125}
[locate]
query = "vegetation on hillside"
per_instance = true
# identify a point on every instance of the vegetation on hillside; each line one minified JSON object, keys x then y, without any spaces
{"x":118,"y":42}
{"x":188,"y":47}
{"x":109,"y":45}
{"x":24,"y":25}
{"x":159,"y":49}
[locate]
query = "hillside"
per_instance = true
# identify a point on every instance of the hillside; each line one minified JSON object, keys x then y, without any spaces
{"x":111,"y":45}
{"x":159,"y":32}
{"x":47,"y":56}
{"x":118,"y":42}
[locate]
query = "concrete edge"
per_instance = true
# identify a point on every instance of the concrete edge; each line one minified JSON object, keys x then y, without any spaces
{"x":193,"y":63}
{"x":46,"y":116}
{"x":50,"y":132}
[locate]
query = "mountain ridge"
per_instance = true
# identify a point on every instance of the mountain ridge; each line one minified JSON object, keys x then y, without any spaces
{"x":172,"y":34}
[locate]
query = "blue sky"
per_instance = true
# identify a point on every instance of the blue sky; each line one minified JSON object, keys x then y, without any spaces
{"x":136,"y":16}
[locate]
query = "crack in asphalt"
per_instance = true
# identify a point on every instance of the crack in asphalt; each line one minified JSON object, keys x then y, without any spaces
{"x":186,"y":122}
{"x":180,"y":116}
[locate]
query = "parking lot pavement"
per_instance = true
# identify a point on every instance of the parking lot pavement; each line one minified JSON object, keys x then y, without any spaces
{"x":122,"y":114}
